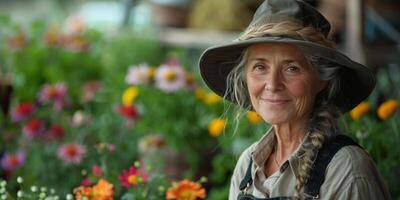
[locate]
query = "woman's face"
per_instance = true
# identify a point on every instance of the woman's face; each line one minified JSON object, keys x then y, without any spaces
{"x":281,"y":82}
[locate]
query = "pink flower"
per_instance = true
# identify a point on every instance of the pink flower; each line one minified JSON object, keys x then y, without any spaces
{"x":56,"y":94}
{"x":96,"y":170}
{"x":33,"y":128}
{"x":71,"y":153}
{"x":139,"y":75}
{"x":90,"y":89}
{"x":22,"y":111}
{"x":133,"y":176}
{"x":12,"y":161}
{"x":86,"y":182}
{"x":170,"y":77}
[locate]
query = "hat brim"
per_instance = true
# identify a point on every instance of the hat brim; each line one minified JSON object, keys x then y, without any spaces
{"x":357,"y":80}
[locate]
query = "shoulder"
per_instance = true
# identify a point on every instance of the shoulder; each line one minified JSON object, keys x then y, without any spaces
{"x":244,"y":160}
{"x":353,"y":173}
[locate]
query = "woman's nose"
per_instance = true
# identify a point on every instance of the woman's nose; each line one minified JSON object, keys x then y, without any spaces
{"x":273,"y":82}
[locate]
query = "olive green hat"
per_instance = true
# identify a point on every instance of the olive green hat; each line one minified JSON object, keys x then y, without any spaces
{"x":357,"y":81}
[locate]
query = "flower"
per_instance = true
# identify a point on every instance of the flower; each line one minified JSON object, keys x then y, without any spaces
{"x":253,"y":117}
{"x":82,"y":192}
{"x":75,"y":24}
{"x":129,"y":96}
{"x":151,"y":143}
{"x":186,"y":190}
{"x":387,"y":109}
{"x":90,"y":89}
{"x":18,"y":41}
{"x":79,"y":119}
{"x":53,"y":37}
{"x":200,"y":93}
{"x":96,"y":170}
{"x":12,"y":161}
{"x":54,"y":93}
{"x":56,"y":132}
{"x":130,"y":113}
{"x":359,"y":111}
{"x":71,"y":153}
{"x":170,"y":78}
{"x":211,"y":98}
{"x":190,"y":82}
{"x":103,"y":190}
{"x":86,"y":182}
{"x":33,"y":128}
{"x":216,"y":126}
{"x":140,"y":74}
{"x":22,"y":111}
{"x":133,"y":176}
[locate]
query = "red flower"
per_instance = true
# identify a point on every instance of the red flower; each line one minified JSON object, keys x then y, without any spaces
{"x":130,"y":113}
{"x":17,"y":41}
{"x":22,"y":111}
{"x":133,"y":176}
{"x":55,"y":132}
{"x":33,"y":128}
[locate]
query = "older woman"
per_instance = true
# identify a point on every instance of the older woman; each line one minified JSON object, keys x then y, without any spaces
{"x":284,"y":68}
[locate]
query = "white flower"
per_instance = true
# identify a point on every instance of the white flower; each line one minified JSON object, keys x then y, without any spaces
{"x":20,"y":180}
{"x":170,"y":78}
{"x":139,"y":74}
{"x":34,"y":189}
{"x":20,"y":194}
{"x":70,"y":197}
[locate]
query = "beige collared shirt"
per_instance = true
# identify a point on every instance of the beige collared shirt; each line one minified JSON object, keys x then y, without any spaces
{"x":351,"y":174}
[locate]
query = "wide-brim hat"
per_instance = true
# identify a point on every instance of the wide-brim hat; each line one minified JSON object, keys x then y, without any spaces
{"x":357,"y":80}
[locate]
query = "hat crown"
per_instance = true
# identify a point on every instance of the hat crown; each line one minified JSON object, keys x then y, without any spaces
{"x":275,"y":11}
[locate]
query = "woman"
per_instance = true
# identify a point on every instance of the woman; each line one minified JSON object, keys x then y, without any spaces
{"x":284,"y":68}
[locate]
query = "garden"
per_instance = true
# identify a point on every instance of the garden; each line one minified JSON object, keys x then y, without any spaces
{"x":89,"y":115}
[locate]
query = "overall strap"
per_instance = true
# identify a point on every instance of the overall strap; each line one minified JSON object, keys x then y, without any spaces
{"x":247,"y":180}
{"x":324,"y":157}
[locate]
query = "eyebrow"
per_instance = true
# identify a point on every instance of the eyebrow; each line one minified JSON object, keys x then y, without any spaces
{"x":286,"y":61}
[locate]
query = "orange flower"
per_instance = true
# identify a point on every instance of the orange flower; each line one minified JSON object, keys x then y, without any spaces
{"x":253,"y":117}
{"x":359,"y":111}
{"x":82,"y":192}
{"x":387,"y":109}
{"x":186,"y":190}
{"x":102,"y":190}
{"x":216,"y":126}
{"x":211,"y":98}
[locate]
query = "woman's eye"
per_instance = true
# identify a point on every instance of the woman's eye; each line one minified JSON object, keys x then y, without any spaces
{"x":258,"y":67}
{"x":293,"y":69}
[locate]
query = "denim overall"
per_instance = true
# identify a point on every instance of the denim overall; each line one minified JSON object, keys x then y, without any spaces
{"x":317,"y":175}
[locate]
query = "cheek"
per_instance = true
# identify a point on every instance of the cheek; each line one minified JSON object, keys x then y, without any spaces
{"x":304,"y":93}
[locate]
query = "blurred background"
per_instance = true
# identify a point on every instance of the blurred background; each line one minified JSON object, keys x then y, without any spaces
{"x":104,"y":98}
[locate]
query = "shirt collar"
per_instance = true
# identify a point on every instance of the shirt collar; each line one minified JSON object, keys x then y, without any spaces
{"x":265,"y":147}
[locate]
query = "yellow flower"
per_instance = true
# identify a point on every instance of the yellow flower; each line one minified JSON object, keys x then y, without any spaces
{"x":152,"y":72}
{"x":387,"y":109}
{"x":211,"y":98}
{"x":359,"y":111}
{"x":253,"y":117}
{"x":216,"y":126}
{"x":186,"y":190}
{"x":129,"y":96}
{"x":200,"y":93}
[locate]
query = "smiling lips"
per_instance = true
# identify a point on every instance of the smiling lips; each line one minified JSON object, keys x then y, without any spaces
{"x":275,"y":101}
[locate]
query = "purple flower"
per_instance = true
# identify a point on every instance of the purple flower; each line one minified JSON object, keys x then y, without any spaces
{"x":11,"y":162}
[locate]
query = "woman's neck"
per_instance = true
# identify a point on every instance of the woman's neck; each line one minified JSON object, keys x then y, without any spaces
{"x":288,"y":139}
